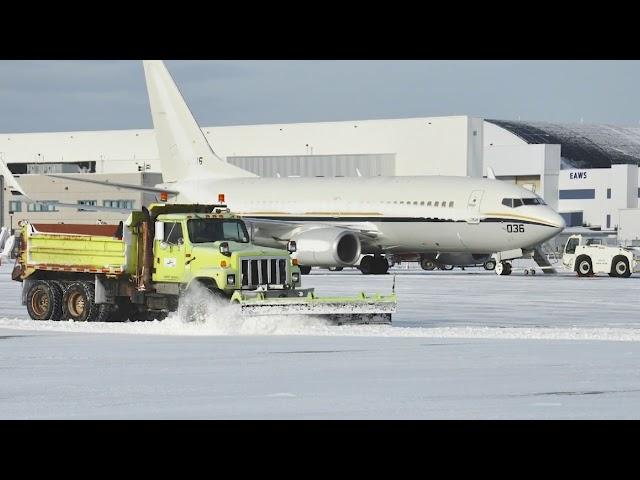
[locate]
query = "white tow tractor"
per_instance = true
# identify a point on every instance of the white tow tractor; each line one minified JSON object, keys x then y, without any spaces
{"x":588,"y":256}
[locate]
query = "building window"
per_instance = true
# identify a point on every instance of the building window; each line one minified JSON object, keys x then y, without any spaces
{"x":15,"y":206}
{"x":584,"y":194}
{"x":46,"y":206}
{"x":608,"y":221}
{"x":87,"y":202}
{"x":125,"y":204}
{"x":573,"y":219}
{"x":608,"y":193}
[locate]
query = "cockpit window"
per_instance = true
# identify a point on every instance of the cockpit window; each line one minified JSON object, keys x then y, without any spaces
{"x":519,"y":202}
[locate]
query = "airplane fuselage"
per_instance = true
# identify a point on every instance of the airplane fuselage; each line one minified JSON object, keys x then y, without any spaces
{"x":400,"y":215}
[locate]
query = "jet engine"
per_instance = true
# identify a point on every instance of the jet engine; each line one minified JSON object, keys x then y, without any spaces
{"x":327,"y":247}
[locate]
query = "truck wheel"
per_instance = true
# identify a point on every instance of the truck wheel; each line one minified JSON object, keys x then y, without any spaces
{"x":621,"y":267}
{"x":44,"y":301}
{"x":78,"y":302}
{"x":584,"y":267}
{"x":304,"y":270}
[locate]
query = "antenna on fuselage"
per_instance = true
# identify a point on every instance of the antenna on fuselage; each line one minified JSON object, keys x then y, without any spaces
{"x":490,"y":173}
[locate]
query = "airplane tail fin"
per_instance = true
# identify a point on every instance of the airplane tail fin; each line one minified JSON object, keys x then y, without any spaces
{"x":10,"y":181}
{"x":183,"y":148}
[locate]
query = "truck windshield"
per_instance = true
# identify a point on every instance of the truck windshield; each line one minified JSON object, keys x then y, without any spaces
{"x":571,"y":245}
{"x":206,"y":230}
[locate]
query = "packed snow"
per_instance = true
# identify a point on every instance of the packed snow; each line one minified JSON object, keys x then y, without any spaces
{"x":464,"y":344}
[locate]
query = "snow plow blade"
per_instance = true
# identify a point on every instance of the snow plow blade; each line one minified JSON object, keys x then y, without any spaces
{"x":360,"y":310}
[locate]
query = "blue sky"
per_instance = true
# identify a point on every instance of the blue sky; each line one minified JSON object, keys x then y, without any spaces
{"x":38,"y":96}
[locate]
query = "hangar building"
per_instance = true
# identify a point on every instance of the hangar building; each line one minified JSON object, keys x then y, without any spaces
{"x":586,"y":172}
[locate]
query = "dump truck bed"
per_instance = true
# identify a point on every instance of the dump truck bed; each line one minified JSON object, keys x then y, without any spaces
{"x":75,"y":252}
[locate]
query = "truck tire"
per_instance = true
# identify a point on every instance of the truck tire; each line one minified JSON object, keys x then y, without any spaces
{"x":44,"y":301}
{"x":78,"y":302}
{"x":304,"y":270}
{"x":620,"y":267}
{"x":584,"y":266}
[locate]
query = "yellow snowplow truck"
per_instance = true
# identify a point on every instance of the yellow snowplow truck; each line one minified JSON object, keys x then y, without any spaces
{"x":145,"y":268}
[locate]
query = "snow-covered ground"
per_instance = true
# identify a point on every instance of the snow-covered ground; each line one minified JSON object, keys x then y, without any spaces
{"x":464,"y":344}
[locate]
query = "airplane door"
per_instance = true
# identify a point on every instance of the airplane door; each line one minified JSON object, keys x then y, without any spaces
{"x":473,"y":205}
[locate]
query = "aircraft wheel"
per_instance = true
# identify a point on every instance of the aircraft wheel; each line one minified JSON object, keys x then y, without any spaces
{"x":380,"y":266}
{"x":447,"y":267}
{"x":366,"y":265}
{"x":304,"y":270}
{"x":427,"y":264}
{"x":503,"y":268}
{"x":336,"y":269}
{"x":490,"y":265}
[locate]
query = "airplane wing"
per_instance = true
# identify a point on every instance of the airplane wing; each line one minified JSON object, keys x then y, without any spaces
{"x":124,"y":186}
{"x":283,"y":230}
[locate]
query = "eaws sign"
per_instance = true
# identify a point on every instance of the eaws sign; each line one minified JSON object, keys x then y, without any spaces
{"x":577,"y":175}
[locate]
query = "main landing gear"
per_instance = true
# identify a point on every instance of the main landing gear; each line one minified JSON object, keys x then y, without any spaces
{"x":503,"y":268}
{"x":373,"y":265}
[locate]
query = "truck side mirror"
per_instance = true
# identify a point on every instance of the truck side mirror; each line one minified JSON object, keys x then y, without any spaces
{"x":159,"y":231}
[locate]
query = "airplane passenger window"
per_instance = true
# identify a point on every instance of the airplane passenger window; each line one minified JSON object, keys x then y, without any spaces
{"x":507,"y":202}
{"x":428,"y":203}
{"x":402,"y":203}
{"x":436,"y":204}
{"x":422,"y":203}
{"x":415,"y":203}
{"x":450,"y":204}
{"x":444,"y":204}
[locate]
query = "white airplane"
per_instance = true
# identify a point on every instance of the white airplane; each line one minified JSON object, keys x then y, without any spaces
{"x":333,"y":221}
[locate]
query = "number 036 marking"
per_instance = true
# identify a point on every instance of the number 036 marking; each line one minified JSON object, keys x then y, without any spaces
{"x":515,"y":228}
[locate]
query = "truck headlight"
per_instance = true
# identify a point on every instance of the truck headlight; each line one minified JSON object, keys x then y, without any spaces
{"x":231,"y":279}
{"x":295,"y":277}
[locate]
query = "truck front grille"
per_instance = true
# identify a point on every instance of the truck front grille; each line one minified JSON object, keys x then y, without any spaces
{"x":263,"y":271}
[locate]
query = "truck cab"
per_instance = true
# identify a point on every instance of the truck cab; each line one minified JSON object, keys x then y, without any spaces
{"x":216,"y":247}
{"x":588,"y":256}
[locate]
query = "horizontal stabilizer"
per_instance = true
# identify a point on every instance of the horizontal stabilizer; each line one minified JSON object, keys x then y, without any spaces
{"x":124,"y":186}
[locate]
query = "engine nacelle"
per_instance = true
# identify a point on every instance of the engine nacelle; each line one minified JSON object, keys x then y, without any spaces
{"x":327,"y":247}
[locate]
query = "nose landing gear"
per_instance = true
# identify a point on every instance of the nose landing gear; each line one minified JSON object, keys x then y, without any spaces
{"x":503,"y":268}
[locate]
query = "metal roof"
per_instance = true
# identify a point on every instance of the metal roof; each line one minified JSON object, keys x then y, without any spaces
{"x":582,"y":145}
